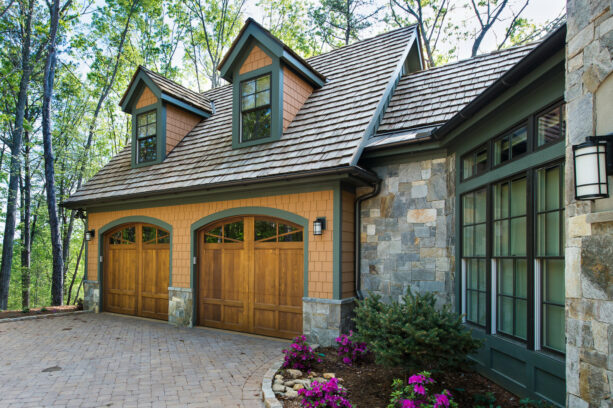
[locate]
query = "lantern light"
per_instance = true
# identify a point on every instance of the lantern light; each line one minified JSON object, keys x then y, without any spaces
{"x":592,"y":160}
{"x":89,"y":235}
{"x":319,"y":225}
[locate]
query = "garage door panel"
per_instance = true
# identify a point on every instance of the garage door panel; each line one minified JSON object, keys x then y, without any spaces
{"x":261,"y":284}
{"x":136,"y":274}
{"x":292,"y":282}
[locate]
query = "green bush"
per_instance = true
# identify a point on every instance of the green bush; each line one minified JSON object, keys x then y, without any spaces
{"x":413,"y":334}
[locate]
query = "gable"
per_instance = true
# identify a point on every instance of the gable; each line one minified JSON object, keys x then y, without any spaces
{"x":146,"y":98}
{"x":256,"y":59}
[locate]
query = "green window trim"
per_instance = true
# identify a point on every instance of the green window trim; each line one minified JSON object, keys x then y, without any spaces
{"x":146,"y":129}
{"x":275,"y":71}
{"x":160,"y":109}
{"x":256,"y":108}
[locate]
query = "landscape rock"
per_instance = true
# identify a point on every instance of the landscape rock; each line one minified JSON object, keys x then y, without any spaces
{"x":278,"y":388}
{"x":291,"y":393}
{"x":289,"y":383}
{"x":293,"y":373}
{"x":298,"y":387}
{"x":327,"y":376}
{"x":279,"y":377}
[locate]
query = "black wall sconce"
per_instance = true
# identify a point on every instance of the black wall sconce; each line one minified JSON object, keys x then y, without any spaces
{"x":593,"y":162}
{"x":89,"y":235}
{"x":319,"y":225}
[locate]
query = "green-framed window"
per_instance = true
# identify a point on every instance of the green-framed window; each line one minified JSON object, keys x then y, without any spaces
{"x":473,"y":255}
{"x":538,"y":130}
{"x":550,"y":254}
{"x":146,"y":136}
{"x":509,"y":256}
{"x":256,"y":110}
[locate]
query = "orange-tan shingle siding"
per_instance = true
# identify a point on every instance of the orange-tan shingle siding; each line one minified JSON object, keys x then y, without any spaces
{"x":178,"y":124}
{"x":347,"y":245}
{"x":295,"y":93}
{"x":181,"y":217}
{"x":256,"y":59}
{"x":146,"y":98}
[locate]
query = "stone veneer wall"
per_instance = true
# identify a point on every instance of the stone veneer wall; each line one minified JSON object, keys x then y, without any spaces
{"x":589,"y":232}
{"x":407,"y":231}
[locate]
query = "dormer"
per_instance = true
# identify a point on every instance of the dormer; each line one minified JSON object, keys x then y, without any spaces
{"x":270,"y":83}
{"x":163,"y":113}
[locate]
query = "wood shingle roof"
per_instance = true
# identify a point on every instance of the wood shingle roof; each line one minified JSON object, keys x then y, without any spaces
{"x":325,"y":134}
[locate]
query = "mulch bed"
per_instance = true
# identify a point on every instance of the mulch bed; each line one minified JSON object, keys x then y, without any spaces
{"x":11,"y":314}
{"x":369,"y":385}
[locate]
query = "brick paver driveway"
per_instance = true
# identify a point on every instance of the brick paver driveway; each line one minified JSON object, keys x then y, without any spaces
{"x":103,"y":360}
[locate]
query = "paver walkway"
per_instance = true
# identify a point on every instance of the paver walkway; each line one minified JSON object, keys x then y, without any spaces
{"x":103,"y":360}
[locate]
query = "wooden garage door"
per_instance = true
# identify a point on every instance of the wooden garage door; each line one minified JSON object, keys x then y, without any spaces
{"x":136,"y":271}
{"x":251,"y":276}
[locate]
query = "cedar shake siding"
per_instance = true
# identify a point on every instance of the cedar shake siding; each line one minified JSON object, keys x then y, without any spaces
{"x":178,"y":124}
{"x":295,"y":93}
{"x":147,"y":98}
{"x":255,"y":60}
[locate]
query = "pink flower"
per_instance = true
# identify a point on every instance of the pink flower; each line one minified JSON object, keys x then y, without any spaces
{"x":408,"y":404}
{"x":419,"y":389}
{"x":416,"y":379}
{"x":441,"y":400}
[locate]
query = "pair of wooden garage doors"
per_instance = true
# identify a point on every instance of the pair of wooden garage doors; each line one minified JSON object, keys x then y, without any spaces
{"x":250,"y":274}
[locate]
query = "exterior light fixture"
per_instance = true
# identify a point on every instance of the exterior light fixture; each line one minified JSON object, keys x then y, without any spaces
{"x":319,"y":225}
{"x":593,"y":162}
{"x":89,"y":235}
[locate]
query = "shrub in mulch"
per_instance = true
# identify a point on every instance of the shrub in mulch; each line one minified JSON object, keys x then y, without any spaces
{"x":299,"y":355}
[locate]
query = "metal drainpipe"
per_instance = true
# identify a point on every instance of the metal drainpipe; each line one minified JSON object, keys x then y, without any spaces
{"x":358,"y":227}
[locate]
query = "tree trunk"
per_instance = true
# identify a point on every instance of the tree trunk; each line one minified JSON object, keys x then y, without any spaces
{"x":15,"y":165}
{"x":57,"y":281}
{"x":76,"y":270}
{"x":26,"y":249}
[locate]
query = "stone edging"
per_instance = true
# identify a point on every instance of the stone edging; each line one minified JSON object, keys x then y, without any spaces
{"x":268,"y":396}
{"x":18,"y":319}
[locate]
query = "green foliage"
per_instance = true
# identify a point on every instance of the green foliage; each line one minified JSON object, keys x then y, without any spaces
{"x":340,"y":22}
{"x":530,"y":403}
{"x":487,"y":400}
{"x":43,"y":309}
{"x":25,"y":310}
{"x":413,"y":334}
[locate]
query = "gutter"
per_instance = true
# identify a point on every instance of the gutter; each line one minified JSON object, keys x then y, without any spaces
{"x":356,"y":171}
{"x":376,"y":188}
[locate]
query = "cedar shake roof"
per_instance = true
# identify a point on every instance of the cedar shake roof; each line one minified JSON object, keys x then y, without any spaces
{"x":431,"y":97}
{"x":173,"y":89}
{"x":325,"y":134}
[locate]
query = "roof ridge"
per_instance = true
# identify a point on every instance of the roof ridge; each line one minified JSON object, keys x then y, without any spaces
{"x":360,"y":42}
{"x":149,"y":71}
{"x":475,"y":58}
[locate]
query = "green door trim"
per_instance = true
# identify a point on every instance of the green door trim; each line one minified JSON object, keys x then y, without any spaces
{"x":245,"y":211}
{"x":129,"y":220}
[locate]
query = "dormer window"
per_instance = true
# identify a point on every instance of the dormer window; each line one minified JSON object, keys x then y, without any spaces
{"x":256,"y":111}
{"x":146,"y":133}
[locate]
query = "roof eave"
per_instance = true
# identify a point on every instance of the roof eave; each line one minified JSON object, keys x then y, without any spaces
{"x":357,"y":172}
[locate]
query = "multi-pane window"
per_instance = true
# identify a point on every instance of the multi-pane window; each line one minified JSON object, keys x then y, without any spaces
{"x":473,"y":255}
{"x":255,"y":109}
{"x":511,"y":145}
{"x":550,"y":254}
{"x":513,"y":232}
{"x":146,"y":136}
{"x":474,"y":163}
{"x":551,"y":126}
{"x":509,"y":256}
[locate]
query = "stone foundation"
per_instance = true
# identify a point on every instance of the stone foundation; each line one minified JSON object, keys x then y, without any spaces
{"x":180,"y":306}
{"x":407,"y":231}
{"x":91,"y":297}
{"x":323,"y":320}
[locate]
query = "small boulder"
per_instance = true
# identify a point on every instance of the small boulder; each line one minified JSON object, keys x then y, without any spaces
{"x":293,"y":373}
{"x":306,"y":383}
{"x":298,"y":387}
{"x":291,"y":393}
{"x":278,"y":388}
{"x":279,"y":377}
{"x":327,"y":376}
{"x":289,"y":383}
{"x":313,"y":374}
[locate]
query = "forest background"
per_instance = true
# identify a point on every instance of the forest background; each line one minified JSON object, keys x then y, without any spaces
{"x":64,"y":65}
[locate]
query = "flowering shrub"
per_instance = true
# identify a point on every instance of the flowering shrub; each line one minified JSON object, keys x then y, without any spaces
{"x":416,"y":395}
{"x":324,"y":395}
{"x":300,"y":355}
{"x":351,"y":351}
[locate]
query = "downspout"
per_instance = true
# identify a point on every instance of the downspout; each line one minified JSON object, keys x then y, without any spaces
{"x":358,"y":227}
